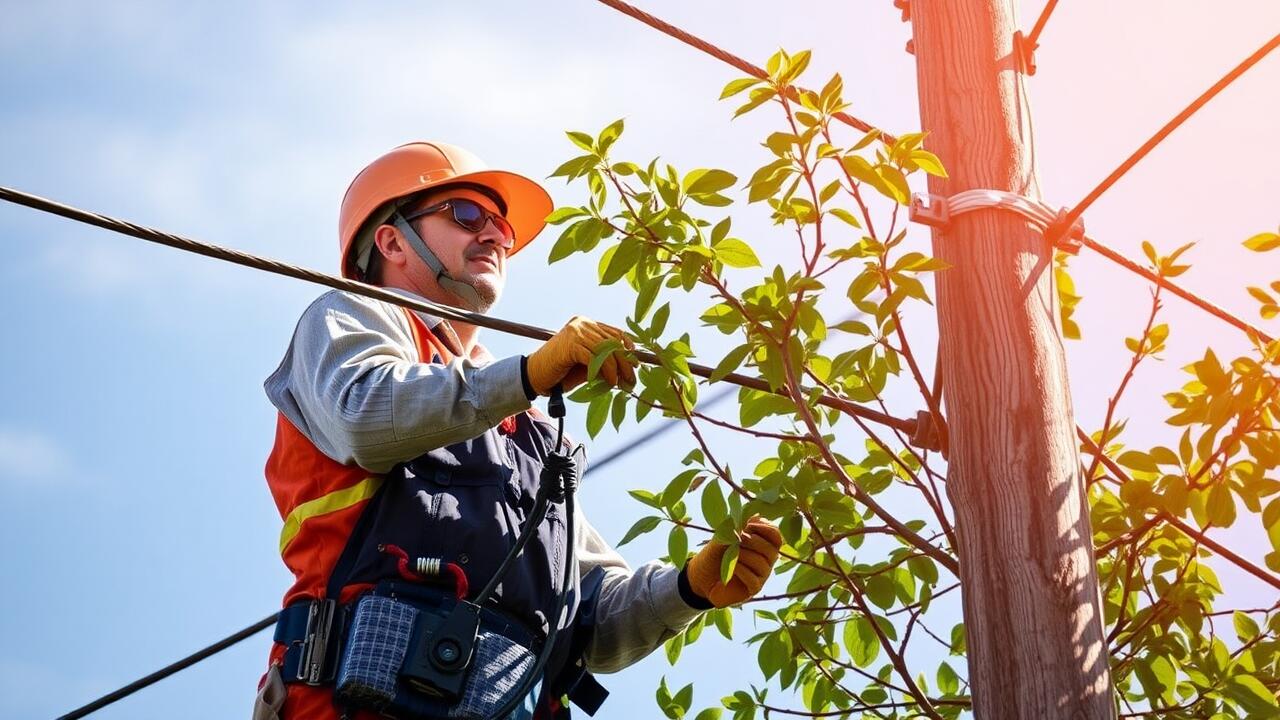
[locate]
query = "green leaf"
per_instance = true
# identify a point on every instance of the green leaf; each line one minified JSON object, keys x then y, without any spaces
{"x":599,"y":355}
{"x":644,"y":299}
{"x":731,"y":362}
{"x":566,"y":244}
{"x":736,"y":86}
{"x":714,"y":508}
{"x":1221,"y":507}
{"x":609,"y":135}
{"x":575,"y":168}
{"x":679,"y":486}
{"x":948,"y":681}
{"x":796,"y":66}
{"x":703,"y":181}
{"x":678,"y":546}
{"x":597,"y":413}
{"x":861,"y":641}
{"x":880,"y":589}
{"x":897,"y":182}
{"x":736,"y":253}
{"x":642,"y":526}
{"x":759,"y":96}
{"x":1246,"y":627}
{"x":561,"y":214}
{"x":1263,"y":242}
{"x":846,"y":216}
{"x":728,"y":563}
{"x":711,"y":713}
{"x":673,"y":648}
{"x":582,"y":140}
{"x":614,"y":265}
{"x":723,"y":619}
{"x":618,"y":413}
{"x":1252,"y":695}
{"x":659,"y":322}
{"x":928,"y":162}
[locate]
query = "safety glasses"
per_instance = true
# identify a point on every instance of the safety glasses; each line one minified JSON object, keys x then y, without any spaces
{"x":470,"y":216}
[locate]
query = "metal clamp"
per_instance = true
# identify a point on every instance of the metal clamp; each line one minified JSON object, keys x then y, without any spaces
{"x":314,"y":668}
{"x":1067,"y":239}
{"x":1024,"y":50}
{"x":929,"y":209}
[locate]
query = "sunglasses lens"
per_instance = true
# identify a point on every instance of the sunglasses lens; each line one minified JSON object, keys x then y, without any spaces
{"x":472,"y":217}
{"x":468,"y":214}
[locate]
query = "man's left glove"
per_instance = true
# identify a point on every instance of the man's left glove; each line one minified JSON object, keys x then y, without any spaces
{"x":757,"y":552}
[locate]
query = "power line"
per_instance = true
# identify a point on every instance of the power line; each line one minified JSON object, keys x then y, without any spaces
{"x":371,"y":291}
{"x":1033,"y":40}
{"x":168,"y":670}
{"x":1194,"y":299}
{"x":727,"y":57}
{"x":1169,"y":127}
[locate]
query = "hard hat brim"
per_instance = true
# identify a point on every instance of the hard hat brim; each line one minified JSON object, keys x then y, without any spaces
{"x":528,"y":204}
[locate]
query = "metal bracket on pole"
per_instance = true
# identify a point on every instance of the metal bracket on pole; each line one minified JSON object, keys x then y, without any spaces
{"x":929,"y":209}
{"x":1068,"y":239}
{"x":1024,"y":49}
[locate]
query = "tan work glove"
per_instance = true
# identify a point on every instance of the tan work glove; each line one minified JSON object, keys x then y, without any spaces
{"x":563,"y":359}
{"x":758,"y":551}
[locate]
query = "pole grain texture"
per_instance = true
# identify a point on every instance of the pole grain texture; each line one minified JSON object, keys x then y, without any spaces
{"x":1031,"y":605}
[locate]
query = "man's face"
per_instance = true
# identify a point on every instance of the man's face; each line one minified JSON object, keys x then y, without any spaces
{"x":477,"y":259}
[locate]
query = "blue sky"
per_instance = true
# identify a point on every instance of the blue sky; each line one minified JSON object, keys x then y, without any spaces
{"x":135,"y":522}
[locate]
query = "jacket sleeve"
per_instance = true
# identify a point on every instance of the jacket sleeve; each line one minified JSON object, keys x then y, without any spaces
{"x":351,"y":381}
{"x":637,"y":610}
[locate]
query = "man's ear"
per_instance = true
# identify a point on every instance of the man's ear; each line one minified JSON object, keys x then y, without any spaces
{"x":389,"y":242}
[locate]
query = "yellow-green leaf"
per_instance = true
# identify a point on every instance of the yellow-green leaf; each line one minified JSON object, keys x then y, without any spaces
{"x":736,"y":253}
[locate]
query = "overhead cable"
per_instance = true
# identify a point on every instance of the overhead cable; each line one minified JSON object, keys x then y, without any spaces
{"x":168,"y":670}
{"x":1033,"y":39}
{"x":729,"y":58}
{"x":447,"y":312}
{"x":1169,"y":127}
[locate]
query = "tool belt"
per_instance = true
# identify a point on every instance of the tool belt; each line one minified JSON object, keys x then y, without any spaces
{"x":408,"y":651}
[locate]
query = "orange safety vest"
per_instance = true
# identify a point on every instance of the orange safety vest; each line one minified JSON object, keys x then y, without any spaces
{"x":320,"y":501}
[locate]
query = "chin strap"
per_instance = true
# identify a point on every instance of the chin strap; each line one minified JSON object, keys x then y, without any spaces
{"x":464,"y":291}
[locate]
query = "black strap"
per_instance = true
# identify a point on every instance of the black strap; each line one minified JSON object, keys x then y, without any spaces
{"x":569,"y":675}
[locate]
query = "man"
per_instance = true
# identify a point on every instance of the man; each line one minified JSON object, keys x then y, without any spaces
{"x":398,"y":430}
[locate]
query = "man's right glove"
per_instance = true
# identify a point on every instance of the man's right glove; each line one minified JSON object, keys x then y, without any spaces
{"x":757,"y":552}
{"x":563,"y":359}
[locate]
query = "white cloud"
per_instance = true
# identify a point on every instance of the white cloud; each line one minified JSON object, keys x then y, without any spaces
{"x":29,"y":458}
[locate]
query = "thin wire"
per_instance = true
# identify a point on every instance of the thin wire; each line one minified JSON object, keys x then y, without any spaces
{"x":1209,"y":307}
{"x":168,"y":670}
{"x":371,"y":291}
{"x":445,"y":311}
{"x":1169,"y":127}
{"x":1033,"y":40}
{"x":729,"y":58}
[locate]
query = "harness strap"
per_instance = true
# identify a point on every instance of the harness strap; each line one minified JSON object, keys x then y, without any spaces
{"x":312,"y":633}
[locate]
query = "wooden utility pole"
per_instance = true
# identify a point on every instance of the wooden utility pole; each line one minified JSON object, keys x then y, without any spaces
{"x":1031,"y":606}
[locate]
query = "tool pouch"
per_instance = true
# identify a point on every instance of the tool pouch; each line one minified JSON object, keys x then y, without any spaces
{"x":413,"y":652}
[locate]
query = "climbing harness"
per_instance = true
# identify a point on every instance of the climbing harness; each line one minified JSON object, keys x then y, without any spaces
{"x":408,"y":650}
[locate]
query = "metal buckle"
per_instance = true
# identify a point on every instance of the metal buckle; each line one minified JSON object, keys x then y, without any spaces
{"x":315,"y":645}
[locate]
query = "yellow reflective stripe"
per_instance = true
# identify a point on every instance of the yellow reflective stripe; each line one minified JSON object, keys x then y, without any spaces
{"x":336,"y":500}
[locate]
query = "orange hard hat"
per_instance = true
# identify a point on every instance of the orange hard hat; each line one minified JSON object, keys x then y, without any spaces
{"x":418,"y":166}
